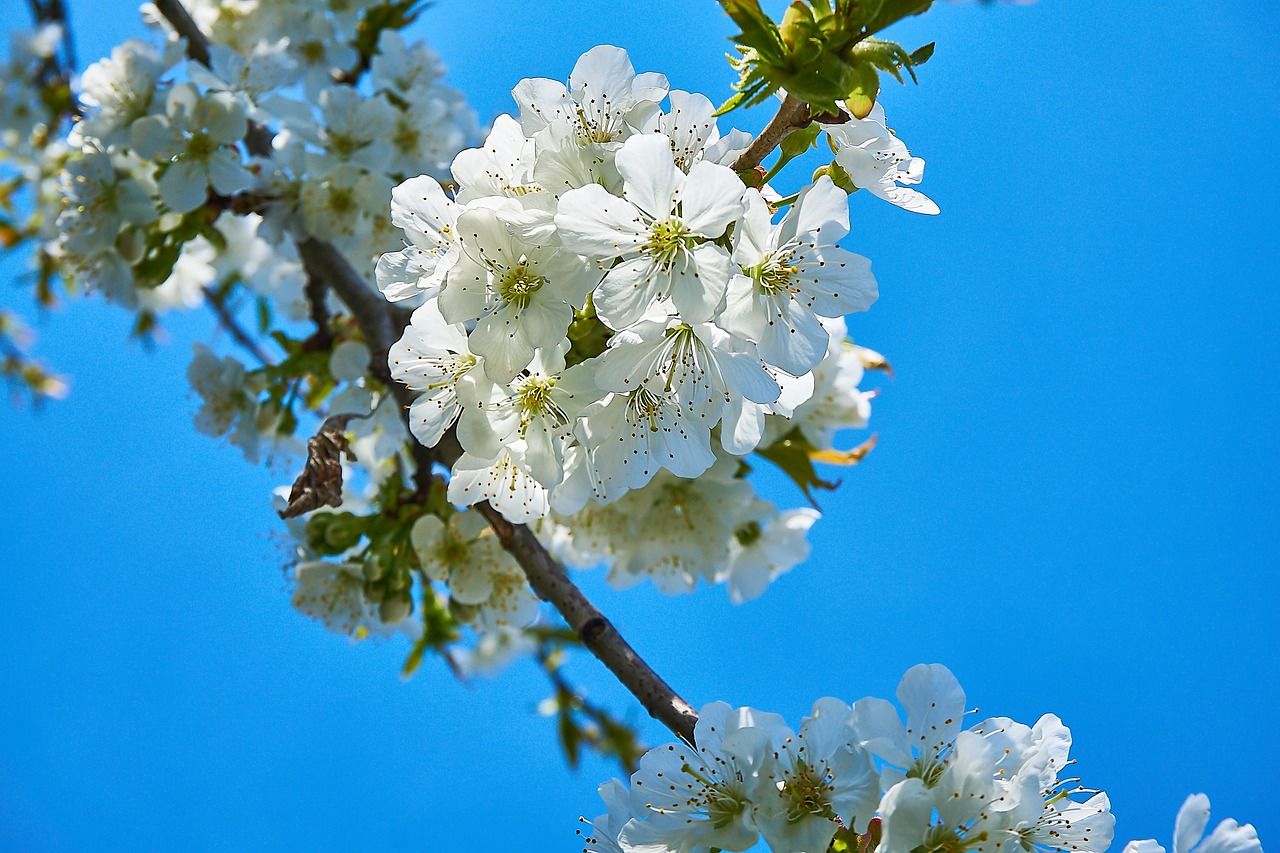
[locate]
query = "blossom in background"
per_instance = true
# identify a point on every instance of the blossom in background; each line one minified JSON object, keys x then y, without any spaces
{"x":1189,"y":837}
{"x":191,"y":141}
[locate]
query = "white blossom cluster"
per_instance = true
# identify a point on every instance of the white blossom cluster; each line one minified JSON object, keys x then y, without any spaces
{"x":928,"y":781}
{"x":161,"y":139}
{"x":606,"y":313}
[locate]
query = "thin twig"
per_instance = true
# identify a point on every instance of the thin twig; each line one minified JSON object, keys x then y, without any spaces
{"x":793,"y":114}
{"x":228,"y":322}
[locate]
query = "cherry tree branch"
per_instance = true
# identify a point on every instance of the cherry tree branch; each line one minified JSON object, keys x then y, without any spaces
{"x":382,"y":324}
{"x":232,"y":327}
{"x":792,"y":115}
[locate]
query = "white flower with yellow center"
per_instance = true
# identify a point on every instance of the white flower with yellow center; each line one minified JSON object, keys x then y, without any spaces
{"x":465,"y":556}
{"x":604,"y":102}
{"x":698,"y":365}
{"x":630,"y":437}
{"x":538,"y":407}
{"x":505,"y":482}
{"x":192,"y":142}
{"x":820,"y":779}
{"x":792,"y":274}
{"x":660,"y":233}
{"x":701,"y":797}
{"x":522,"y":296}
{"x":430,"y":358}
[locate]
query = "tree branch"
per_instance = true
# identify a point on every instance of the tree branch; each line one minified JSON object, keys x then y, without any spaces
{"x":228,"y":322}
{"x":598,"y":635}
{"x":382,"y":325}
{"x":793,"y":114}
{"x":182,"y":22}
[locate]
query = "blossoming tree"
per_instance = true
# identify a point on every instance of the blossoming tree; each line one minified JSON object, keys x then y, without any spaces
{"x":559,"y":342}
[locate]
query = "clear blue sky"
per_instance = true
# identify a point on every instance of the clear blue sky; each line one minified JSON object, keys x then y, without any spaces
{"x":1073,"y":503}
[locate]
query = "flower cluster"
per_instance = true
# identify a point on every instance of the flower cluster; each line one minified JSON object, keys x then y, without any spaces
{"x":606,"y":313}
{"x":927,"y":782}
{"x":154,"y":159}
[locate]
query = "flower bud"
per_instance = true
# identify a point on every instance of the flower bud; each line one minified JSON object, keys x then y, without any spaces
{"x":395,"y":608}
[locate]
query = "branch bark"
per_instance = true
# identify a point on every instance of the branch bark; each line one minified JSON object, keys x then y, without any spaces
{"x":382,"y":324}
{"x":601,"y":638}
{"x":793,"y":114}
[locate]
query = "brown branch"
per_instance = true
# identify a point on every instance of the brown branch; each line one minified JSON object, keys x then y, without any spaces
{"x":229,"y":323}
{"x":182,"y":22}
{"x":382,"y":325}
{"x":599,"y":636}
{"x":793,"y":114}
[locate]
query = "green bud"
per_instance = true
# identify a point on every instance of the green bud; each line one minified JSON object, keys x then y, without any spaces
{"x":132,"y":245}
{"x":333,"y":532}
{"x":395,"y":608}
{"x":375,"y":592}
{"x":862,"y":97}
{"x":374,"y":568}
{"x":463,"y":612}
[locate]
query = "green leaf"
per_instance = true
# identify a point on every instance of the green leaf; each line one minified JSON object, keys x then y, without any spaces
{"x":791,"y":454}
{"x":921,"y":55}
{"x":416,"y":654}
{"x":892,"y":11}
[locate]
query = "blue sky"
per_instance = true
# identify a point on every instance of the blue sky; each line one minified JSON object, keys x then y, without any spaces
{"x":1073,"y":502}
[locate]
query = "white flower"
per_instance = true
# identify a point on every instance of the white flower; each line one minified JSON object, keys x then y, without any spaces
{"x":698,"y":365}
{"x":660,"y":231}
{"x":494,"y":650}
{"x":818,"y":777}
{"x":700,"y":798}
{"x":354,"y":127}
{"x":503,"y":166}
{"x":759,"y":553}
{"x":98,"y":201}
{"x":427,"y":131}
{"x":538,"y":408}
{"x":504,"y":481}
{"x":523,"y":296}
{"x":1188,"y":833}
{"x":430,"y":358}
{"x":604,"y":102}
{"x":465,"y":555}
{"x":403,"y":67}
{"x":993,"y":788}
{"x":877,"y":161}
{"x":605,"y":829}
{"x":691,"y":126}
{"x":793,"y":274}
{"x":118,"y":91}
{"x":428,"y":218}
{"x":249,"y":76}
{"x":673,"y":531}
{"x":339,"y":201}
{"x":192,"y":142}
{"x":332,"y":593}
{"x":630,"y":437}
